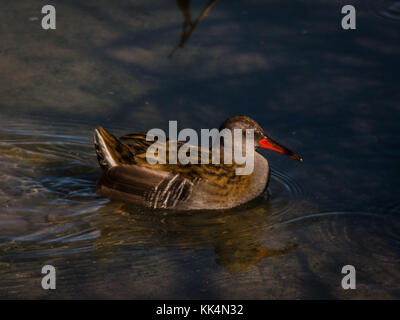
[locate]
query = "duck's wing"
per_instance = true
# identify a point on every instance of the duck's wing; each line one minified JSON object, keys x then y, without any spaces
{"x":144,"y":186}
{"x":217,"y":174}
{"x":110,"y":151}
{"x":132,"y":149}
{"x":138,"y":142}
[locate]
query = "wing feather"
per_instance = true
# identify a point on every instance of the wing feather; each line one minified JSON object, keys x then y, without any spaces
{"x":144,"y":186}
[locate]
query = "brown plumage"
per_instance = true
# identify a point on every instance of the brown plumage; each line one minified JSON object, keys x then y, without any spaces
{"x":128,"y":176}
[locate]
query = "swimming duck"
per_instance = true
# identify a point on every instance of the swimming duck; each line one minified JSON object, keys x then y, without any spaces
{"x":128,"y":176}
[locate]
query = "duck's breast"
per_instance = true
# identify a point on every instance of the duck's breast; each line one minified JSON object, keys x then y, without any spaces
{"x":209,"y":195}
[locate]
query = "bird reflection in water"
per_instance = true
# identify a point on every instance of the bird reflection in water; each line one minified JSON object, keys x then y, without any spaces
{"x":189,"y":26}
{"x":236,"y":235}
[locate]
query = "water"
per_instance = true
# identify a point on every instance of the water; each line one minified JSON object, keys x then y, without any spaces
{"x":330,"y":95}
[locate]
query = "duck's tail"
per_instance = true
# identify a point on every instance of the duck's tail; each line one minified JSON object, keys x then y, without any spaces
{"x":110,"y":151}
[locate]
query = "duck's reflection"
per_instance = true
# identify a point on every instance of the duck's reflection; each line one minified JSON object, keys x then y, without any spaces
{"x":188,"y":26}
{"x":236,"y":234}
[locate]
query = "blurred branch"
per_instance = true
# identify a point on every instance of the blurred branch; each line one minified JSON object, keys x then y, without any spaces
{"x":188,"y":27}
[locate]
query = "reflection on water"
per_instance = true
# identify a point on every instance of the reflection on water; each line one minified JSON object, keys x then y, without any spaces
{"x":236,"y":240}
{"x":50,"y":214}
{"x":188,"y":26}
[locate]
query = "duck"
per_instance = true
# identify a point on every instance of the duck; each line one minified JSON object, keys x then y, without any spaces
{"x":128,"y":176}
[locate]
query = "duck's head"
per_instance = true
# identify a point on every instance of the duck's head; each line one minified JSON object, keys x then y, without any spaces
{"x":261,"y":139}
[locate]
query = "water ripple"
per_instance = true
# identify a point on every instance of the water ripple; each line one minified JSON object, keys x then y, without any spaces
{"x":388,"y":9}
{"x":285,"y":192}
{"x":50,"y":213}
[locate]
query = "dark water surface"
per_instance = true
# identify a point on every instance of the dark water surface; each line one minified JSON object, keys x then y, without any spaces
{"x":331,"y":95}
